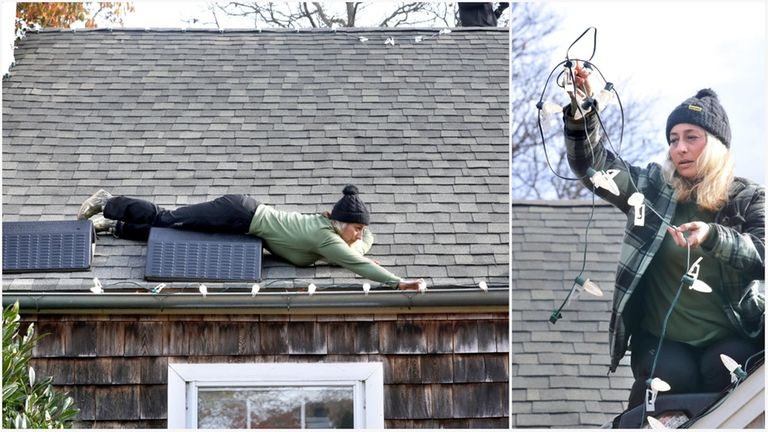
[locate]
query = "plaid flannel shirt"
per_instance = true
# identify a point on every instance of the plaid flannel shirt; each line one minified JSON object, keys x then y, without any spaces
{"x":736,"y":239}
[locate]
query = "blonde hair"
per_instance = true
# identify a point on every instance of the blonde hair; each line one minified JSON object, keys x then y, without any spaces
{"x":714,"y":176}
{"x":338,"y":226}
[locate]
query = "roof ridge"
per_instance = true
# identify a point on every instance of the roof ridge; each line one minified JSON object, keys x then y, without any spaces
{"x":276,"y":30}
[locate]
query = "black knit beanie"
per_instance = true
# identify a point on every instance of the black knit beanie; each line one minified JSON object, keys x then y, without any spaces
{"x":703,"y":110}
{"x":350,"y":208}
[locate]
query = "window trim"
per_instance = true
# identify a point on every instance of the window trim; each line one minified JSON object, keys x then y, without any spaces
{"x":185,"y":378}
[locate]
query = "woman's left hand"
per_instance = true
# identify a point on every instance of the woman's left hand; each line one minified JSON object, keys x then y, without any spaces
{"x":697,"y":233}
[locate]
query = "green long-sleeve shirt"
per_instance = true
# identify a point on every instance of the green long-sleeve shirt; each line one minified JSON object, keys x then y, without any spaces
{"x":302,"y":239}
{"x":698,"y":319}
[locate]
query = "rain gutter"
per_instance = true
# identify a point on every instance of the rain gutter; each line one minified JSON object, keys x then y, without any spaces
{"x":443,"y":300}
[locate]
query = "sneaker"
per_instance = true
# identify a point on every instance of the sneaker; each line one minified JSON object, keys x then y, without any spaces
{"x":94,"y":205}
{"x":103,"y":225}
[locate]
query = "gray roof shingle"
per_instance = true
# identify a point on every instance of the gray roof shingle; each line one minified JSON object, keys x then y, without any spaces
{"x":290,"y":118}
{"x":559,"y":371}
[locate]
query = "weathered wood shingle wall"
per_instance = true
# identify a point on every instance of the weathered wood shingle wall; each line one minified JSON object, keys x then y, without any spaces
{"x":440,"y":370}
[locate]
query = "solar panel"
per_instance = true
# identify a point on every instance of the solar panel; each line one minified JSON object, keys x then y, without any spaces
{"x":46,"y":246}
{"x":195,"y":256}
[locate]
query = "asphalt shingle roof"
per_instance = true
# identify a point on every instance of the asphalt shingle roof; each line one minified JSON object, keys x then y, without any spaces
{"x":559,"y":371}
{"x":290,"y":118}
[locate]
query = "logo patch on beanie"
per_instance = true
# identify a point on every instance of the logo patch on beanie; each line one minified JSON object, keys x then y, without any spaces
{"x":695,"y":108}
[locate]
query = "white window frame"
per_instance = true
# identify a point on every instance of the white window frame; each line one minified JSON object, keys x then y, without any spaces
{"x":367,"y":380}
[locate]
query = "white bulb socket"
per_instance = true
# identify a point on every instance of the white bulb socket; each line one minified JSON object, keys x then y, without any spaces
{"x":422,"y":287}
{"x":97,"y":288}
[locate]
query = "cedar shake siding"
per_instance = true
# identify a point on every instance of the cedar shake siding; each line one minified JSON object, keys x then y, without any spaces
{"x":440,"y":370}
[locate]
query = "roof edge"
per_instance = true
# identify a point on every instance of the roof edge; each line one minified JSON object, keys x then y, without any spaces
{"x":267,"y":301}
{"x":274,"y":30}
{"x":740,"y":407}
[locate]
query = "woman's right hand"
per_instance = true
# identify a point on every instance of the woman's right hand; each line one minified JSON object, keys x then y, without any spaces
{"x":411,"y":284}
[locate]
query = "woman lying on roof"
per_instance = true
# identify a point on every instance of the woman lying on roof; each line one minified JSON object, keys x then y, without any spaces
{"x":341,"y":237}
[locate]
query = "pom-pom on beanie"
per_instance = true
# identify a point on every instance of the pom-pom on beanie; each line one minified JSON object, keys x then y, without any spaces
{"x":703,"y":110}
{"x":350,"y":208}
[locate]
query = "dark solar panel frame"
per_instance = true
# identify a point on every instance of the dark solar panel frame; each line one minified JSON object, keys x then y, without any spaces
{"x":178,"y":255}
{"x":48,"y":246}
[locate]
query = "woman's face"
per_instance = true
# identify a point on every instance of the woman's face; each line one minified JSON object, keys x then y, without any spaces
{"x":352,"y":233}
{"x":686,"y":142}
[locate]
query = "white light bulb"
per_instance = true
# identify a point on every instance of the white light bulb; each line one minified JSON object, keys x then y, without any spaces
{"x":729,"y":363}
{"x":589,"y":286}
{"x":203,"y":290}
{"x":637,"y":201}
{"x":255,"y":289}
{"x":363,"y":39}
{"x":390,"y":41}
{"x":604,"y":179}
{"x":701,"y":286}
{"x":158,"y":288}
{"x":551,"y":108}
{"x":655,"y":424}
{"x":366,"y":288}
{"x":483,"y":286}
{"x":604,"y":97}
{"x":312,"y":287}
{"x":659,"y":384}
{"x":418,"y":39}
{"x":96,"y":288}
{"x":737,"y":373}
{"x":422,"y":287}
{"x":445,"y":31}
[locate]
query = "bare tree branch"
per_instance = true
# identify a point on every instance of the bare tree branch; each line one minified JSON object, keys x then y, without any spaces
{"x":321,"y":14}
{"x":317,"y":14}
{"x":533,"y":160}
{"x":351,"y":13}
{"x":402,"y":11}
{"x":308,"y":15}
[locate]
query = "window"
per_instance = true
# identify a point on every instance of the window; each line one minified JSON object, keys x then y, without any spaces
{"x":276,"y":395}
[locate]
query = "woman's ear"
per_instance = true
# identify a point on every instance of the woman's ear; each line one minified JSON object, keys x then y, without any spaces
{"x":327,"y":214}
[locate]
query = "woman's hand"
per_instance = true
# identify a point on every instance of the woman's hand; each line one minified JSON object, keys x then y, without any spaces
{"x":581,"y":79}
{"x":411,"y":284}
{"x":697,"y":233}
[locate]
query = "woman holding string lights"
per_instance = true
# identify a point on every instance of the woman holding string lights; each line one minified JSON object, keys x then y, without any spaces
{"x":694,"y":209}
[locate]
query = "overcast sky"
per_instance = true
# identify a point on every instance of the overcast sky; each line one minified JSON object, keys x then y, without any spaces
{"x":671,"y":49}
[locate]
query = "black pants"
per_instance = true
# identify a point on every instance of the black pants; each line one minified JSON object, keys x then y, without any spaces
{"x":687,"y":369}
{"x":227,"y":214}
